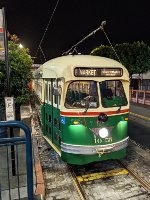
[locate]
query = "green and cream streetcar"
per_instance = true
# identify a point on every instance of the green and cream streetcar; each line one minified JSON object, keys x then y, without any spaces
{"x":83,"y":101}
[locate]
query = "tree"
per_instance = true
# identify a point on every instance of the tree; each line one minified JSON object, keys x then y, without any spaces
{"x":142,"y":52}
{"x":102,"y":50}
{"x":135,"y":57}
{"x":20,"y":63}
{"x":20,"y":73}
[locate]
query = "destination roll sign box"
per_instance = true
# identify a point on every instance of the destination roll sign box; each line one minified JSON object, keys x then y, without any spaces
{"x":97,"y":72}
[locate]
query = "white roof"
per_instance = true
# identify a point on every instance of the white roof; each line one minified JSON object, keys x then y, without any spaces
{"x":64,"y":66}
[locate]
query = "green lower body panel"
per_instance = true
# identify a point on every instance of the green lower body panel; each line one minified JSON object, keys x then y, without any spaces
{"x":83,"y":154}
{"x":79,"y":159}
{"x":81,"y":139}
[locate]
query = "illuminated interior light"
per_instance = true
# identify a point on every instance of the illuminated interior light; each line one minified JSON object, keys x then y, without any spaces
{"x":126,"y":119}
{"x":103,"y":132}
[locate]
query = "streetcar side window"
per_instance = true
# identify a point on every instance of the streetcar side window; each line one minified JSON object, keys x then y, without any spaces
{"x":60,"y":83}
{"x":55,"y":95}
{"x":112,"y":94}
{"x":50,"y":93}
{"x":38,"y":88}
{"x":82,"y":93}
{"x":46,"y":92}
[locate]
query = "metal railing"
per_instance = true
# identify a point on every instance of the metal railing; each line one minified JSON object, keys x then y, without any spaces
{"x":140,"y":96}
{"x":13,"y":182}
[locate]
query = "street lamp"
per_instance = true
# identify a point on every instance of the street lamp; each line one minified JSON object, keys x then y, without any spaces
{"x":20,"y":46}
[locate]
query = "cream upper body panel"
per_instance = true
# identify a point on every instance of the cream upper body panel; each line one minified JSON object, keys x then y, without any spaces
{"x":64,"y":67}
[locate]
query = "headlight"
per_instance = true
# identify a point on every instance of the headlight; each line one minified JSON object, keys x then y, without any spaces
{"x":103,"y":132}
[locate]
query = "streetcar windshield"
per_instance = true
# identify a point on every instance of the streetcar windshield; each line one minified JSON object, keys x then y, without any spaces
{"x":82,"y":94}
{"x":112,"y":94}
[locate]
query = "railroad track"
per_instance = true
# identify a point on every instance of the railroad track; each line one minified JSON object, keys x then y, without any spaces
{"x":103,"y":180}
{"x":131,"y":171}
{"x":77,"y":185}
{"x":89,"y":179}
{"x":55,"y":172}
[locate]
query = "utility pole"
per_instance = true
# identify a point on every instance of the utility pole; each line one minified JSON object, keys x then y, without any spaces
{"x":7,"y":67}
{"x":6,"y":52}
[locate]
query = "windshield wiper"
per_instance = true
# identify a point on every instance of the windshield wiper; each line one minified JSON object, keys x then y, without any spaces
{"x":119,"y":109}
{"x":87,"y":104}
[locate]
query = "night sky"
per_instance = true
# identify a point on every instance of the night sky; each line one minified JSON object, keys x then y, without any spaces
{"x":127,"y":21}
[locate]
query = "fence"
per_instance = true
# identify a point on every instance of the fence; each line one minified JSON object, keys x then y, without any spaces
{"x":140,"y":96}
{"x":16,"y":183}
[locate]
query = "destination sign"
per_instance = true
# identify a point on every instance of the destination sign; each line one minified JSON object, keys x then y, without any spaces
{"x":97,"y":72}
{"x":111,"y":72}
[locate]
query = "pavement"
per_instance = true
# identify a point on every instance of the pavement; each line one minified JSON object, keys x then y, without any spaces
{"x":137,"y":112}
{"x":39,"y":189}
{"x":9,"y":180}
{"x":140,"y":111}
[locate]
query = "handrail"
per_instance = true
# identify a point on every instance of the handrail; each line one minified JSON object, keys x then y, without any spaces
{"x":144,"y":91}
{"x":140,"y":96}
{"x":28,"y":140}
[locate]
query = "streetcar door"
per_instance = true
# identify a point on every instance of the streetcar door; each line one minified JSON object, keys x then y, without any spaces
{"x":48,"y":109}
{"x":56,"y":93}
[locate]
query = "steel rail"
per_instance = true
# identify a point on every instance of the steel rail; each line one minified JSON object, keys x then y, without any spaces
{"x":144,"y":183}
{"x":77,"y":185}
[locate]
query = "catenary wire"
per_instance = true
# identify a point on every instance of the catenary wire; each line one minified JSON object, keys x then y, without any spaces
{"x":42,"y":53}
{"x":39,"y":46}
{"x":101,"y":27}
{"x":89,"y":35}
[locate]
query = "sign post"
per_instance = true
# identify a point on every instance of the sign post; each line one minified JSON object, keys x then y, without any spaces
{"x":10,"y":108}
{"x":10,"y":115}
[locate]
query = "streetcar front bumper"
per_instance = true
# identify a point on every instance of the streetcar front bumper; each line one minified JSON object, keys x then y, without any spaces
{"x":95,"y":149}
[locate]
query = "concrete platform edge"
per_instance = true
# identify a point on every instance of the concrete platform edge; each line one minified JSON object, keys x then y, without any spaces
{"x":139,"y":116}
{"x":40,"y":186}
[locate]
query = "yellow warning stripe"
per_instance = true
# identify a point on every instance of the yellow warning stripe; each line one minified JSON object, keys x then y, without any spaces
{"x":52,"y":145}
{"x":140,"y":116}
{"x":94,"y":176}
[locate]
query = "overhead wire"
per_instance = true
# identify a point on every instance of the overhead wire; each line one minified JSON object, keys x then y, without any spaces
{"x":101,"y":27}
{"x":42,"y":53}
{"x":39,"y":46}
{"x":90,"y":34}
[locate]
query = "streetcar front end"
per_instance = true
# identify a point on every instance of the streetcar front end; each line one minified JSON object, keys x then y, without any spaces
{"x":95,"y":119}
